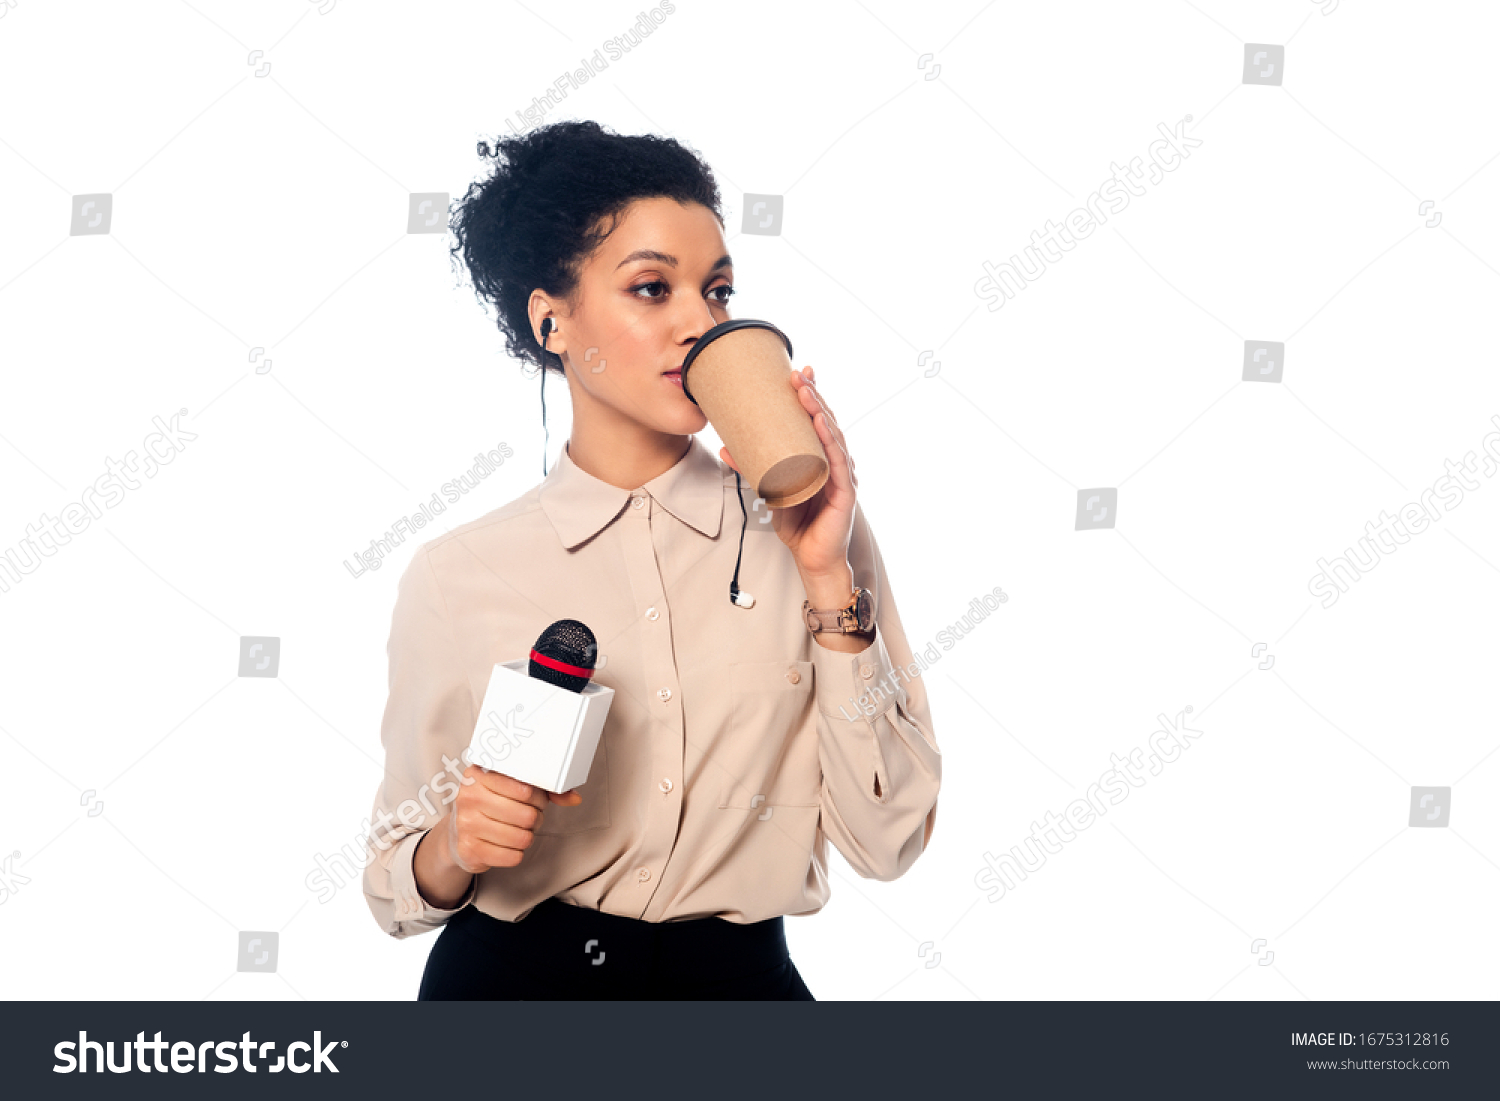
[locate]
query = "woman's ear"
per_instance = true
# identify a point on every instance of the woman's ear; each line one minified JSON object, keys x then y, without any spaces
{"x":540,"y":311}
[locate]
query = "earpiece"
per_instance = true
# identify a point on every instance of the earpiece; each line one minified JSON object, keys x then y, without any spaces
{"x":547,"y":327}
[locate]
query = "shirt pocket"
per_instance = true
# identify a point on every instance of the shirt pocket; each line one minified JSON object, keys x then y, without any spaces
{"x":771,"y":758}
{"x":592,"y":813}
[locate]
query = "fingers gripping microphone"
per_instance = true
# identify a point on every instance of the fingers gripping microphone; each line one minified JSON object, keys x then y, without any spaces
{"x":564,"y":655}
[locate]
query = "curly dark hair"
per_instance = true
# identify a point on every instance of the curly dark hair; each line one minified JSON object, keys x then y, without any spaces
{"x":555,"y":194}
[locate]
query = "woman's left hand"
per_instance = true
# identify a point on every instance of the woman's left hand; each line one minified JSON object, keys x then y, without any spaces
{"x":817,"y":531}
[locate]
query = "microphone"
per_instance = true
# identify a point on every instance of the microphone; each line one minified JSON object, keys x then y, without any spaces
{"x":542,"y":714}
{"x":564,"y":655}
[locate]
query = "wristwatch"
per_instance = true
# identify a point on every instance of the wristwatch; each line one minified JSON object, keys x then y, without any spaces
{"x":856,"y":617}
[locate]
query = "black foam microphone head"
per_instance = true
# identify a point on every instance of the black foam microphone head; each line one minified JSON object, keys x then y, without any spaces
{"x":564,"y":655}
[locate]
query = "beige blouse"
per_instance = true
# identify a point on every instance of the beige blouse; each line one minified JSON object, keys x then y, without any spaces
{"x":736,"y":746}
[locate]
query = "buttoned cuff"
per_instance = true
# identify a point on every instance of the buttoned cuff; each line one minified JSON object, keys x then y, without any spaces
{"x":410,"y":905}
{"x":858,"y":685}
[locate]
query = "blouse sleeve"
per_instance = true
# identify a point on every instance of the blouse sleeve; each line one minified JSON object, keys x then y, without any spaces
{"x":429,"y":719}
{"x":881,"y":771}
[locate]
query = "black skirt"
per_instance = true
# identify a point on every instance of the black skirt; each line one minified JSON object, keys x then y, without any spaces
{"x":558,"y":951}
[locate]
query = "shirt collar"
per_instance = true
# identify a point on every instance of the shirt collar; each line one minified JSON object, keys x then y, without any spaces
{"x":580,"y":505}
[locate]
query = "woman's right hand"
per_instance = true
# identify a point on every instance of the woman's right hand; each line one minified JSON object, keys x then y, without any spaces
{"x":493,"y":820}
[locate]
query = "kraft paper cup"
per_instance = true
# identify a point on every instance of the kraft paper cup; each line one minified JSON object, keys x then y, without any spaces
{"x":739,"y":371}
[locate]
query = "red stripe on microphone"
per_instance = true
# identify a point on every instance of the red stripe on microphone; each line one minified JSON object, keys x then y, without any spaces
{"x":561,"y":666}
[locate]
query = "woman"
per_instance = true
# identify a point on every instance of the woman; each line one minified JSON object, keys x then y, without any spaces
{"x":743,"y":736}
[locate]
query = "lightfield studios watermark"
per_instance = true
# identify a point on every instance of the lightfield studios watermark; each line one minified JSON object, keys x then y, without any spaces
{"x":373,"y":556}
{"x":617,"y":47}
{"x":876,"y":697}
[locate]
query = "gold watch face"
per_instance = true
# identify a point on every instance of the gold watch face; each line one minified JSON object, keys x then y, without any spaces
{"x":864,"y":609}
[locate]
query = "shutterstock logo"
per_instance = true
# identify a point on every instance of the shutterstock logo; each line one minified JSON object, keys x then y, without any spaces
{"x":190,"y":1057}
{"x":1005,"y":280}
{"x":1164,"y":745}
{"x":49,"y":533}
{"x":1390,"y":533}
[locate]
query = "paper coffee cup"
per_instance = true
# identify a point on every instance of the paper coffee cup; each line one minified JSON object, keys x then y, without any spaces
{"x":739,"y":378}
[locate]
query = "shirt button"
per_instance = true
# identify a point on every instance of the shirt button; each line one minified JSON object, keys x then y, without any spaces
{"x":665,"y":694}
{"x":865,"y":671}
{"x":793,"y":676}
{"x":637,"y":502}
{"x":665,"y":785}
{"x":644,"y":874}
{"x":652,"y":614}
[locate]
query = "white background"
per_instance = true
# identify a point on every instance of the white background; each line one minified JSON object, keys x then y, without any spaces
{"x":270,"y":212}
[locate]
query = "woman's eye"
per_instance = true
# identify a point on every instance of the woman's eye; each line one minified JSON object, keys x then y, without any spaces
{"x":661,"y":286}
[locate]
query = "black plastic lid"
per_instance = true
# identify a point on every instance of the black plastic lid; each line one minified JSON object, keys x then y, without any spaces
{"x":718,"y":331}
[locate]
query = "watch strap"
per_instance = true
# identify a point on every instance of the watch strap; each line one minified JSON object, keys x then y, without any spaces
{"x":843,"y":620}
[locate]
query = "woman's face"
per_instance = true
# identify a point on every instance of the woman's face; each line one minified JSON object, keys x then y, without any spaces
{"x":654,"y":286}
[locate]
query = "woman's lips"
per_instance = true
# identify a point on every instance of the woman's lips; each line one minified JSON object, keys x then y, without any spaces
{"x":673,"y":376}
